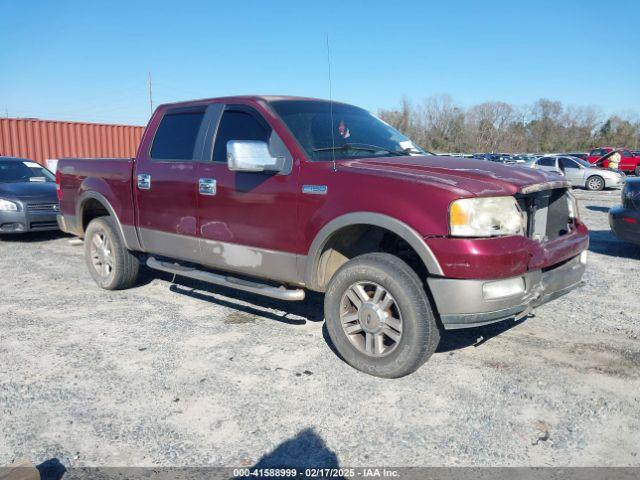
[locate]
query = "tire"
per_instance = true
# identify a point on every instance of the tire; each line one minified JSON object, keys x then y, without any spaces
{"x":595,"y":183}
{"x":637,"y":171}
{"x":410,"y":345}
{"x":110,"y":264}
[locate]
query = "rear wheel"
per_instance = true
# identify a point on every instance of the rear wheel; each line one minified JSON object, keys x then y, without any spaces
{"x":110,"y":264}
{"x":595,"y":183}
{"x":379,"y":317}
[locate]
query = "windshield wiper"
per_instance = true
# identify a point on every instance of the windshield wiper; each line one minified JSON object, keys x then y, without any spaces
{"x":362,"y":146}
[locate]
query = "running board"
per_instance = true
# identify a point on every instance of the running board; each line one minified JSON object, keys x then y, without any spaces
{"x":280,"y":293}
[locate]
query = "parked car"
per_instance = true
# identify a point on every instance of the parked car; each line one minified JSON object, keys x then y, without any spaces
{"x":501,"y":158}
{"x":629,"y":161}
{"x":275,"y":195}
{"x":580,"y":173}
{"x":625,"y":219}
{"x":28,"y":200}
{"x":529,"y":160}
{"x":518,"y":159}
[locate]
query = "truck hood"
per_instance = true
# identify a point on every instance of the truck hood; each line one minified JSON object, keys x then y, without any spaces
{"x":463,"y":176}
{"x":24,"y":190}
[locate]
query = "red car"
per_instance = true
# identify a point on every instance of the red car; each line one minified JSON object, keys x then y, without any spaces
{"x":629,"y":160}
{"x":275,"y":195}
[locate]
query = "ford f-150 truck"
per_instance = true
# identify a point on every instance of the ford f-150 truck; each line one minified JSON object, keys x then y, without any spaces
{"x":629,"y":160}
{"x":278,"y":195}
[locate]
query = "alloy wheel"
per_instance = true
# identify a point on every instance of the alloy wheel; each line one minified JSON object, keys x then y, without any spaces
{"x":102,"y":254}
{"x":371,"y":319}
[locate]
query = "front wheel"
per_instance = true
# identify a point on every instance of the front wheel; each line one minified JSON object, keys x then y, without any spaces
{"x":379,"y":317}
{"x":595,"y":183}
{"x":110,"y":264}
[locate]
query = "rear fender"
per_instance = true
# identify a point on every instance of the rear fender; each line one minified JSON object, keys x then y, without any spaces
{"x":128,"y":233}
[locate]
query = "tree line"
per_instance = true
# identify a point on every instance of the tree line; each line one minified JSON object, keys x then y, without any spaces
{"x":439,"y":125}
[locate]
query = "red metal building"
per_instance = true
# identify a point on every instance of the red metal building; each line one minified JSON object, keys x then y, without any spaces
{"x":40,"y":140}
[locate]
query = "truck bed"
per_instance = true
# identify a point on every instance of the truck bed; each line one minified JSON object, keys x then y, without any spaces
{"x":109,"y":177}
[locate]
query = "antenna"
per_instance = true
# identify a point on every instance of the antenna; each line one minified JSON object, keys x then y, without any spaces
{"x":150,"y":96}
{"x":333,"y":142}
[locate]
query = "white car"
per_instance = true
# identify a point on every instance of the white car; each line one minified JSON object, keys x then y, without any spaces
{"x":581,"y":173}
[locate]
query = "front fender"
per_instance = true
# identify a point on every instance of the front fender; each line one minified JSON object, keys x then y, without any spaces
{"x":394,"y":225}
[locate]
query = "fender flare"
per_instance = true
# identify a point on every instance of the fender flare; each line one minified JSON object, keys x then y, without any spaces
{"x":130,"y":237}
{"x":404,"y":231}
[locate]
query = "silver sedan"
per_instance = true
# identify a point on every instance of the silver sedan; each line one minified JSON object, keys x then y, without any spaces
{"x":580,"y":172}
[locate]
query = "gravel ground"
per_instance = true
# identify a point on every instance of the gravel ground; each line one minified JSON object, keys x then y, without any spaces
{"x":180,"y":373}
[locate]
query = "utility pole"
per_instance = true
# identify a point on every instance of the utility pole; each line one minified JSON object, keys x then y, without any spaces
{"x":150,"y":96}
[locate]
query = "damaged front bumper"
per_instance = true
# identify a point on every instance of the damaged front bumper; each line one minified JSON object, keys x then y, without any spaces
{"x":472,"y":303}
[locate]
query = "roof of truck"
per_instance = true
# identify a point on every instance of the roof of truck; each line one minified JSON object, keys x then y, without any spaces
{"x":254,"y":98}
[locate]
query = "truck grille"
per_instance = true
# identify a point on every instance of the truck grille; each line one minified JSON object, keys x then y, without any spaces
{"x":42,"y":207}
{"x":547,"y":214}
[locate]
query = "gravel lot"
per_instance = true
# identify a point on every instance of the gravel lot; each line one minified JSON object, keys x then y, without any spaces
{"x":181,"y":373}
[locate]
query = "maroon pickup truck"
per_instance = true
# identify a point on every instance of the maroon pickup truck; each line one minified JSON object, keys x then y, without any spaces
{"x":275,"y":195}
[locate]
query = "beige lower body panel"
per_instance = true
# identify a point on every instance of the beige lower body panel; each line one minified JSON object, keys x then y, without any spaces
{"x":231,"y":257}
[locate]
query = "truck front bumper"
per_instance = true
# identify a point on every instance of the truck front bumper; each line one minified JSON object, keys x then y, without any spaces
{"x":472,"y":303}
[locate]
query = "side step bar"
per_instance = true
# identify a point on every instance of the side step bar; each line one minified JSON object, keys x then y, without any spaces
{"x":280,"y":293}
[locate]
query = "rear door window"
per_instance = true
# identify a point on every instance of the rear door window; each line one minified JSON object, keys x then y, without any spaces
{"x":176,"y":136}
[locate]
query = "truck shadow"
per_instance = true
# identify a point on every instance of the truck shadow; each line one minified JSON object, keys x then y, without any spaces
{"x":606,"y":243}
{"x":293,"y":313}
{"x":474,"y":337}
{"x":33,"y":237}
{"x":312,"y":309}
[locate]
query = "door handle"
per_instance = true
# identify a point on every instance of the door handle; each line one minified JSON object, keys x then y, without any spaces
{"x":144,"y":181}
{"x":207,"y":186}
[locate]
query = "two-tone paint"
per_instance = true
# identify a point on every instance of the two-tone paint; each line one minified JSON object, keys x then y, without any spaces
{"x":275,"y":225}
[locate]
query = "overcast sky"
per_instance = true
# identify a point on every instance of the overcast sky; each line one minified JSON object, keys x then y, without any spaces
{"x":89,"y":61}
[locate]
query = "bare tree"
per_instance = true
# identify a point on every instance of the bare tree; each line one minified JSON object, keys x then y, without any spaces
{"x":439,"y":124}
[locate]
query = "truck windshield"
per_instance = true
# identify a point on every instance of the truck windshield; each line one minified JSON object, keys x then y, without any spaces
{"x":356,"y":133}
{"x":19,"y":171}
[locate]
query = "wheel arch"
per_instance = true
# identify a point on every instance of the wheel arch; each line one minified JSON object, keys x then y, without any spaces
{"x":89,"y":199}
{"x":365,"y":219}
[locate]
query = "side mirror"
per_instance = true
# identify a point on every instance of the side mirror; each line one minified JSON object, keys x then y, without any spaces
{"x":252,"y":156}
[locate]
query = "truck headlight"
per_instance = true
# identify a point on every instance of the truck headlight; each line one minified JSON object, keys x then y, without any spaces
{"x":7,"y":206}
{"x":574,"y":211}
{"x":486,"y":217}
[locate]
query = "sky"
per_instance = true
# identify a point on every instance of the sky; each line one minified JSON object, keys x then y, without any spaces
{"x":90,"y":61}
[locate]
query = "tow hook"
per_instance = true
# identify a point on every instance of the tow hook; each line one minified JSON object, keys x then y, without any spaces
{"x":535,"y":294}
{"x":524,"y":313}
